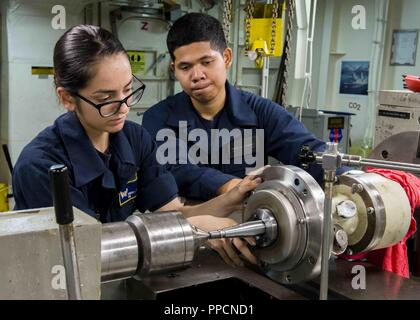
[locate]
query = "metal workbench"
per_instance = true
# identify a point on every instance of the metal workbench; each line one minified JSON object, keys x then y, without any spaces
{"x":210,"y":277}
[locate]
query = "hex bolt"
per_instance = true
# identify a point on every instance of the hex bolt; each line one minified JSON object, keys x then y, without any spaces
{"x":370,"y":210}
{"x":341,"y":238}
{"x":356,"y":188}
{"x":346,"y":209}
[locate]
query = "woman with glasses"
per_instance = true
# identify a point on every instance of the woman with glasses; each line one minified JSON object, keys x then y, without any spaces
{"x":111,"y":161}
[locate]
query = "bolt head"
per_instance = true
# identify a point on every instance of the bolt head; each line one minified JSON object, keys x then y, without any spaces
{"x":346,"y":209}
{"x":341,"y":238}
{"x":356,"y":188}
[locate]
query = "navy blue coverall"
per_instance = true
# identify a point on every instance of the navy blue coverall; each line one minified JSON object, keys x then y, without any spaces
{"x":283,"y":136}
{"x":110,"y":186}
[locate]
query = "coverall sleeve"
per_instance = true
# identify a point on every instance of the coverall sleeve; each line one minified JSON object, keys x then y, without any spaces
{"x":157,"y":186}
{"x":31,"y":186}
{"x":194,"y":181}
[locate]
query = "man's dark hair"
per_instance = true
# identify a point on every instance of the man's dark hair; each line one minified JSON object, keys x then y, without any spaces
{"x":196,"y":27}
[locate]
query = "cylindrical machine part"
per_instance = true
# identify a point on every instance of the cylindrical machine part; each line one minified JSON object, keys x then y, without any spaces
{"x":296,"y":201}
{"x":163,"y":241}
{"x":246,"y":229}
{"x":119,"y":251}
{"x":286,"y":210}
{"x":383,"y":211}
{"x":166,"y":241}
{"x":271,"y":233}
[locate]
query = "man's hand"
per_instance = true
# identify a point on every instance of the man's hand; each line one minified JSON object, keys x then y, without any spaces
{"x":225,"y":204}
{"x":259,"y":171}
{"x":227,"y":248}
{"x":236,"y":196}
{"x":234,"y":182}
{"x":228,"y":186}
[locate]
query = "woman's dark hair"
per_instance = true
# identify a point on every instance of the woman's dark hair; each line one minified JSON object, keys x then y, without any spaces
{"x":77,"y":50}
{"x":196,"y":27}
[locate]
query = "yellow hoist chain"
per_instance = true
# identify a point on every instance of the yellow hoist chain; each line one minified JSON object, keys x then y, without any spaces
{"x":250,"y":9}
{"x":227,"y":18}
{"x":287,"y":49}
{"x":274,"y":26}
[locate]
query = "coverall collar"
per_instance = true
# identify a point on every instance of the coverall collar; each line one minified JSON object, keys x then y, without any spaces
{"x":86,"y":162}
{"x":239,"y":111}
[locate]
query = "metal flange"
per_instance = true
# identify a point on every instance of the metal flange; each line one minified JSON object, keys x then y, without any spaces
{"x":296,"y":201}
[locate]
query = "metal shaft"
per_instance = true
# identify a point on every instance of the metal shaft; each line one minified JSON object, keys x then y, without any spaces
{"x":60,"y":188}
{"x":407,"y":165}
{"x":329,"y":177}
{"x":401,"y":166}
{"x":330,"y":162}
{"x":68,"y":246}
{"x":350,"y":160}
{"x":246,"y":229}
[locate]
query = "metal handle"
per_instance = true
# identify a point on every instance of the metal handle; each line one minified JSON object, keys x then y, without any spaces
{"x":61,"y":194}
{"x":64,"y":217}
{"x":8,"y":159}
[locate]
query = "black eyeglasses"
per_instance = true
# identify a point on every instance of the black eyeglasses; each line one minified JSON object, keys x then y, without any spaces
{"x":110,"y":108}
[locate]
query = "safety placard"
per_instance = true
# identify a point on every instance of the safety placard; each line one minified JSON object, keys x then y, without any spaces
{"x":40,"y":71}
{"x":137,"y":61}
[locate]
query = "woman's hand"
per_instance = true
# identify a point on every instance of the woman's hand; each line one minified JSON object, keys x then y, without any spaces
{"x":228,"y":249}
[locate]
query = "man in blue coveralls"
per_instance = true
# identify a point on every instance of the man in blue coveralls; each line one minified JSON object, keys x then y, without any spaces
{"x":211,"y":134}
